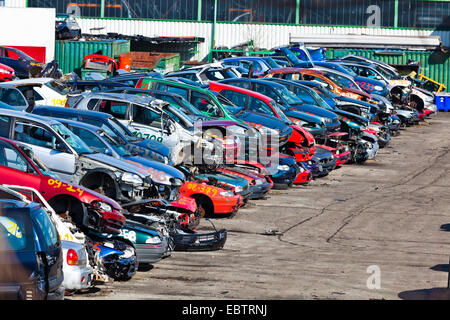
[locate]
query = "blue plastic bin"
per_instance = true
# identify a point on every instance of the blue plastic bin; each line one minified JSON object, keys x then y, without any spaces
{"x":442,"y":101}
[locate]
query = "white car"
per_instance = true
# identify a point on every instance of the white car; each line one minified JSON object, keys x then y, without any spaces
{"x":46,"y":92}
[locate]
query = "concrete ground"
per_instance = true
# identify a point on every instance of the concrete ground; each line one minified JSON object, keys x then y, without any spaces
{"x":383,"y":222}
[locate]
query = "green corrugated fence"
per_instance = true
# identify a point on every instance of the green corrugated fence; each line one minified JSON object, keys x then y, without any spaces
{"x":434,"y":64}
{"x":70,"y":54}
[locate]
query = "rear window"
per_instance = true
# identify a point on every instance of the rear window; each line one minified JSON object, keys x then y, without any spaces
{"x":48,"y":236}
{"x":16,"y":233}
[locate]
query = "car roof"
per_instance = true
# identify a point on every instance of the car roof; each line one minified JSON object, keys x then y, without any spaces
{"x":254,"y":80}
{"x":120,"y":96}
{"x":30,"y":116}
{"x":96,"y":114}
{"x":243,"y":90}
{"x":28,"y":81}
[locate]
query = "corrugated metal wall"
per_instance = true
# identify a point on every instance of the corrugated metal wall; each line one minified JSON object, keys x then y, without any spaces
{"x":435,"y":65}
{"x":230,"y":34}
{"x":16,"y":3}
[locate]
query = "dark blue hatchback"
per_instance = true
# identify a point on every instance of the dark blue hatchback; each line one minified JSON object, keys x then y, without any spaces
{"x":31,"y":261}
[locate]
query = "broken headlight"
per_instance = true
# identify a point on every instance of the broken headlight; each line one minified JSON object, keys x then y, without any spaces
{"x":102,"y":206}
{"x":127,"y":253}
{"x":132,"y":178}
{"x":227,"y":194}
{"x":153,"y":240}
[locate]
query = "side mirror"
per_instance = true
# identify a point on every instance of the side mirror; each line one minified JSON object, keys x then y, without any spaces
{"x":59,"y":146}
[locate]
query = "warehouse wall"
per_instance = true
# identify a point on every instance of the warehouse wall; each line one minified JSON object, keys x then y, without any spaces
{"x":230,"y":34}
{"x":33,"y":27}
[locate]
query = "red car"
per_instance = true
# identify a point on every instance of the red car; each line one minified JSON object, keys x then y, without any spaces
{"x":212,"y":199}
{"x":301,"y":144}
{"x":6,"y":73}
{"x":88,"y":209}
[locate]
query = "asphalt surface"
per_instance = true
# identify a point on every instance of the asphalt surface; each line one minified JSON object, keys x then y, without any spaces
{"x":387,"y":219}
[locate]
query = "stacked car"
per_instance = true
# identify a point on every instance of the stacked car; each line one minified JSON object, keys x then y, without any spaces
{"x":123,"y":171}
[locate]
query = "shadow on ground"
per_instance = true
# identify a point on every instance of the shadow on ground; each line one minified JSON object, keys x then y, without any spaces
{"x":426,"y":294}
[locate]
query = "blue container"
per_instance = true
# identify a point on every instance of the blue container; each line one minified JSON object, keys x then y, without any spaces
{"x":447,"y":103}
{"x":442,"y":101}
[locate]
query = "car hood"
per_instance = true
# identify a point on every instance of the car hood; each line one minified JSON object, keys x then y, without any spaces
{"x":225,"y":178}
{"x":316,"y":111}
{"x":116,"y":163}
{"x":154,"y":146}
{"x":303,"y":116}
{"x":265,"y":120}
{"x":159,"y":172}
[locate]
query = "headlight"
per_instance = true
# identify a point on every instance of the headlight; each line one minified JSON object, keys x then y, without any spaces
{"x":238,"y":189}
{"x":378,"y":88}
{"x":283,"y":168}
{"x":153,"y":240}
{"x":102,"y":206}
{"x":259,"y":182}
{"x":310,"y":162}
{"x":227,"y":194}
{"x":127,"y":253}
{"x":132,"y":178}
{"x":166,"y":160}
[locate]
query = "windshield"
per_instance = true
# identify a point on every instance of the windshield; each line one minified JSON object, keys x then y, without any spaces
{"x":279,"y":109}
{"x":342,"y":81}
{"x":287,"y":95}
{"x":271,"y":63}
{"x":121,"y":129}
{"x":227,"y":104}
{"x":76,"y":143}
{"x":387,"y":74}
{"x":119,"y":148}
{"x":58,"y":87}
{"x":292,"y":57}
{"x":319,"y":101}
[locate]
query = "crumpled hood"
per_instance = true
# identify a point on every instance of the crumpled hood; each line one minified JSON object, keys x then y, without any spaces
{"x":117,"y":163}
{"x":159,"y":172}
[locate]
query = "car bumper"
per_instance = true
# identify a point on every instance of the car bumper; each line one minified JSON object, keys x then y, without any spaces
{"x":151,"y":253}
{"x":77,"y":278}
{"x":260,"y":191}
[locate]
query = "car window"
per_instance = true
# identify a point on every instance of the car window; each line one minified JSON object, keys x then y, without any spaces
{"x":237,"y":98}
{"x":58,"y":87}
{"x":34,"y":134}
{"x":16,"y":233}
{"x":259,"y":106}
{"x":118,"y":109}
{"x":91,"y":104}
{"x":10,"y":158}
{"x":4,"y":126}
{"x":146,"y":116}
{"x":12,"y":97}
{"x":89,"y":138}
{"x":202,"y":103}
{"x":180,"y":91}
{"x":48,"y":236}
{"x":37,"y":96}
{"x":11,"y":54}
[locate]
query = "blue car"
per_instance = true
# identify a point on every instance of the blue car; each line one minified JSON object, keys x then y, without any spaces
{"x":144,"y":147}
{"x":31,"y":254}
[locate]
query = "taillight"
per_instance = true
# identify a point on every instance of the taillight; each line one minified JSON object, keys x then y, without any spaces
{"x":72,"y":257}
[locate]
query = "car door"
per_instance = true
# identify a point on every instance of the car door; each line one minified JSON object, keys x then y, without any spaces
{"x":147,"y":123}
{"x":47,"y":146}
{"x":15,"y":169}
